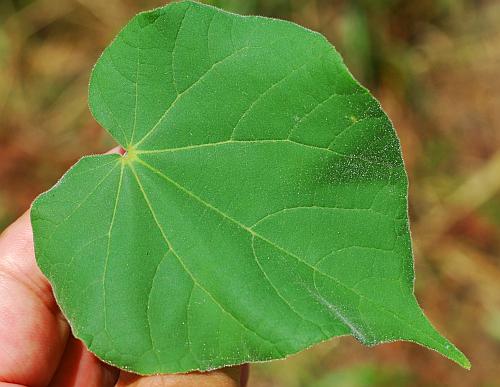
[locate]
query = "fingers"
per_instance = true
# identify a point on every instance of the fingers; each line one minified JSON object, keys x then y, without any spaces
{"x":33,"y":333}
{"x":34,"y":345}
{"x":117,"y":149}
{"x":17,"y":257}
{"x":226,"y":377}
{"x":244,"y":375}
{"x":80,"y":368}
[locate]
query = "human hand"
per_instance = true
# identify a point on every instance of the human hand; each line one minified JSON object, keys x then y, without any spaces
{"x":36,"y":344}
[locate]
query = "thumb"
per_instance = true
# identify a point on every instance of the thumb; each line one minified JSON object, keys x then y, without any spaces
{"x":226,"y":377}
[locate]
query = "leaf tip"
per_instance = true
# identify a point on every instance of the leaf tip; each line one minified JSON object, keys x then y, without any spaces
{"x":461,"y":359}
{"x":454,"y":354}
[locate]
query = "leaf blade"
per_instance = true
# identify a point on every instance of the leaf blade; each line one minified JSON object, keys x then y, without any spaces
{"x":261,"y":207}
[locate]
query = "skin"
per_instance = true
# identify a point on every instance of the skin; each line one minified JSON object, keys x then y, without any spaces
{"x":36,"y":344}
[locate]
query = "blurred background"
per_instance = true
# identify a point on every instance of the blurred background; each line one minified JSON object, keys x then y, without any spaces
{"x":435,"y":67}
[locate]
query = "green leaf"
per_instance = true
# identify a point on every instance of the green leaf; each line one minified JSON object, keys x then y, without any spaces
{"x":261,"y":206}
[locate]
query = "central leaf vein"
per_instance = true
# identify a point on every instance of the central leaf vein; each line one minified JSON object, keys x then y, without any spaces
{"x":186,"y":269}
{"x":276,"y":246}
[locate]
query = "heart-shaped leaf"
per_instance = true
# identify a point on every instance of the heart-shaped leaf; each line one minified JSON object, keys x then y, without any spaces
{"x":261,"y":206}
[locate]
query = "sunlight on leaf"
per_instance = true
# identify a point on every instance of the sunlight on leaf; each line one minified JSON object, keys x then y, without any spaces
{"x":261,"y":207}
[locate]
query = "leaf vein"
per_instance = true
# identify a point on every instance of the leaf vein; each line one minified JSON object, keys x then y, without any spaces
{"x":278,"y":293}
{"x":195,"y":280}
{"x":180,"y":95}
{"x":271,"y":87}
{"x":108,"y":250}
{"x":313,"y":268}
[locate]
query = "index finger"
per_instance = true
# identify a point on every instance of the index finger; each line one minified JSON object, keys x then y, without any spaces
{"x":33,"y":332}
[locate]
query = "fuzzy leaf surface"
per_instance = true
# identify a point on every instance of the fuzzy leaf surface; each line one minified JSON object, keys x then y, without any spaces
{"x":261,"y":207}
